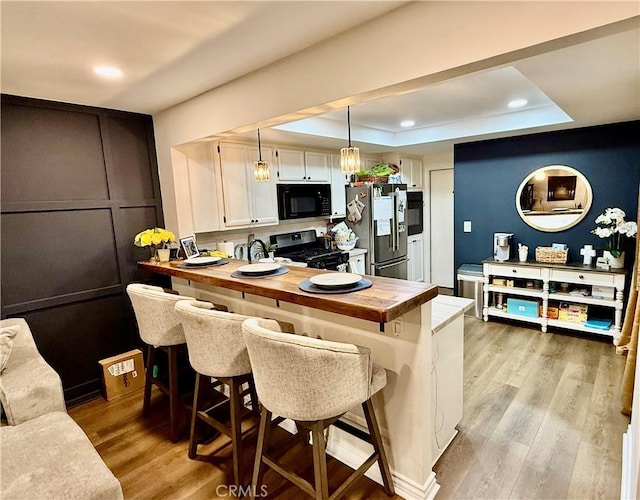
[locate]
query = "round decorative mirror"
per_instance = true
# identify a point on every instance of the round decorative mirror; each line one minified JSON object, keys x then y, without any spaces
{"x":554,"y":198}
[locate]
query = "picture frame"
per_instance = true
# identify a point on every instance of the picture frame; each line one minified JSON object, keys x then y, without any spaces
{"x":189,"y":247}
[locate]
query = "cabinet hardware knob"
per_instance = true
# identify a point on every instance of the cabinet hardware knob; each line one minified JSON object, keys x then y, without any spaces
{"x":514,"y":270}
{"x":580,"y":276}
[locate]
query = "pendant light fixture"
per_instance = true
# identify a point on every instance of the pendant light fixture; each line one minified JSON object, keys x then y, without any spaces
{"x":260,"y":168}
{"x":349,"y":156}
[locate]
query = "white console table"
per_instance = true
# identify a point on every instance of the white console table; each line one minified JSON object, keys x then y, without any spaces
{"x":560,"y":273}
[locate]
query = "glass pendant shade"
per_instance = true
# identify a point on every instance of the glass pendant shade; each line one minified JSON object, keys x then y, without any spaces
{"x":350,"y":160}
{"x":261,"y":171}
{"x":349,"y":156}
{"x":260,"y":167}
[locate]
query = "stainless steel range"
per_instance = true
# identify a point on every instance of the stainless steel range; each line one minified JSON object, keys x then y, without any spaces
{"x":305,"y":246}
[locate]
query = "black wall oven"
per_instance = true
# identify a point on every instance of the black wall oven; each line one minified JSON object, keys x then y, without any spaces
{"x":297,"y":201}
{"x":415,"y":212}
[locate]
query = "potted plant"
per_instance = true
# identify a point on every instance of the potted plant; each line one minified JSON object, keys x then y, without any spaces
{"x":617,"y":231}
{"x":156,"y":239}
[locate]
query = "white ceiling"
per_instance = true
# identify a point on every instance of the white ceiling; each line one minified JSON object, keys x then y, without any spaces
{"x":169,"y":51}
{"x":172,"y":51}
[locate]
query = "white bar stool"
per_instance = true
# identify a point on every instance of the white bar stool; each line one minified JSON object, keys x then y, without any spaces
{"x":160,"y":329}
{"x":313,"y":382}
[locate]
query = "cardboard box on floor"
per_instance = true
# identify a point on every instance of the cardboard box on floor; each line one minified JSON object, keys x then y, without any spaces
{"x":122,"y":374}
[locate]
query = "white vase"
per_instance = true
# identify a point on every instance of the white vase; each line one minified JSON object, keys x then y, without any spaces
{"x":614,"y":262}
{"x":163,"y":254}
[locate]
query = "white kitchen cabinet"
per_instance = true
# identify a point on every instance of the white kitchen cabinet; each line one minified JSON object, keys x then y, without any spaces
{"x":505,"y":280}
{"x":415,"y":254}
{"x":369,"y":162}
{"x":411,"y":170}
{"x":357,"y":261}
{"x":338,"y":183}
{"x":447,"y":361}
{"x":204,"y":190}
{"x":303,"y":166}
{"x":246,"y":202}
{"x":317,"y":167}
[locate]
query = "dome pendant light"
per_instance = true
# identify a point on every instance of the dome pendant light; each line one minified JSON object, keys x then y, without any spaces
{"x":260,"y":168}
{"x":349,"y":156}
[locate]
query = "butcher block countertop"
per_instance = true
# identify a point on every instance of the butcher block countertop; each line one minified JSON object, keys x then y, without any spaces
{"x":385,"y":301}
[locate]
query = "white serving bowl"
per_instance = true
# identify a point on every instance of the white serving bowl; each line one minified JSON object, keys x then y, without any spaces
{"x":346,"y":245}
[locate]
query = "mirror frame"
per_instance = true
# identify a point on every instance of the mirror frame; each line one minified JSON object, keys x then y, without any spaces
{"x":572,"y":171}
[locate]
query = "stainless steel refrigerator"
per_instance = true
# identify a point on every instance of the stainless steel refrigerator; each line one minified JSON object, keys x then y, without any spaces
{"x":377,"y":215}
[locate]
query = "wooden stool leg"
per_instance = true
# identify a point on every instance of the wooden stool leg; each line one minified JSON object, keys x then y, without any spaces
{"x":261,"y":449}
{"x":236,"y":430}
{"x":320,"y":461}
{"x":174,"y":399}
{"x":148,"y":383}
{"x":193,"y":444}
{"x":376,"y":441}
{"x":255,"y":405}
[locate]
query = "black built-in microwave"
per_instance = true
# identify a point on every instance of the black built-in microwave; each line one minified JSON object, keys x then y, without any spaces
{"x":415,"y":213}
{"x":297,"y":201}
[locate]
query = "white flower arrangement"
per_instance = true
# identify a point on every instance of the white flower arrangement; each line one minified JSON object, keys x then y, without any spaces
{"x":615,"y":228}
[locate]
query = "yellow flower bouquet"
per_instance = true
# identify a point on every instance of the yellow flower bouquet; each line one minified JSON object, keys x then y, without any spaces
{"x":155,"y":238}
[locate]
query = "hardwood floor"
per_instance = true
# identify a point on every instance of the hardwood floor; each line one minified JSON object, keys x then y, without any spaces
{"x":541,"y":417}
{"x":541,"y":420}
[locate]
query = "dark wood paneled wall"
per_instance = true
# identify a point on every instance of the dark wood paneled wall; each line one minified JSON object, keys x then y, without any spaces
{"x":78,"y":183}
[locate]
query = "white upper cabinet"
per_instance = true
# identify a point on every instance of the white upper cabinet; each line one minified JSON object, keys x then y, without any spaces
{"x":197,"y":188}
{"x":291,"y":165}
{"x":317,"y":167}
{"x":263,"y":194}
{"x":411,"y":170}
{"x":204,"y":188}
{"x":246,"y":202}
{"x":369,"y":162}
{"x":338,"y":183}
{"x":303,"y":166}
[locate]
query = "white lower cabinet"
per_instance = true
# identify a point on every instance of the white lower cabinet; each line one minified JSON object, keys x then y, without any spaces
{"x":246,"y":201}
{"x":447,"y":354}
{"x":415,"y":254}
{"x":570,"y":296}
{"x":357,"y":261}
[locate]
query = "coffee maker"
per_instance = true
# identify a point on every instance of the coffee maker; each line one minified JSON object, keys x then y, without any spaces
{"x":502,"y":246}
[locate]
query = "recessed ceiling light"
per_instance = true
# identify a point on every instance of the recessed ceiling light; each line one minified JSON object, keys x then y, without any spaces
{"x":407,"y":123}
{"x":108,"y":71}
{"x":517,"y":103}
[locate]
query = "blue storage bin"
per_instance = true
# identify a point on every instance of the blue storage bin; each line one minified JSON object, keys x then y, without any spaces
{"x":520,"y":307}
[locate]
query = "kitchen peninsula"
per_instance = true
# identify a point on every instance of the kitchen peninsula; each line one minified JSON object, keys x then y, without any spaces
{"x":393,"y":318}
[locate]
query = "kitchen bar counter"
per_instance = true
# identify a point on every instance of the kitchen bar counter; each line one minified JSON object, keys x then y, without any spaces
{"x":386,"y":300}
{"x":393,"y":319}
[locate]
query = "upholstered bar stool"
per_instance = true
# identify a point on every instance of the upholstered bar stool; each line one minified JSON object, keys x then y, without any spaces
{"x":216,"y":349}
{"x":313,"y":382}
{"x":160,"y":329}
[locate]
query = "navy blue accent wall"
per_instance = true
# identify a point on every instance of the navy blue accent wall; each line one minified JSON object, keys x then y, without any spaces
{"x":487,"y":175}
